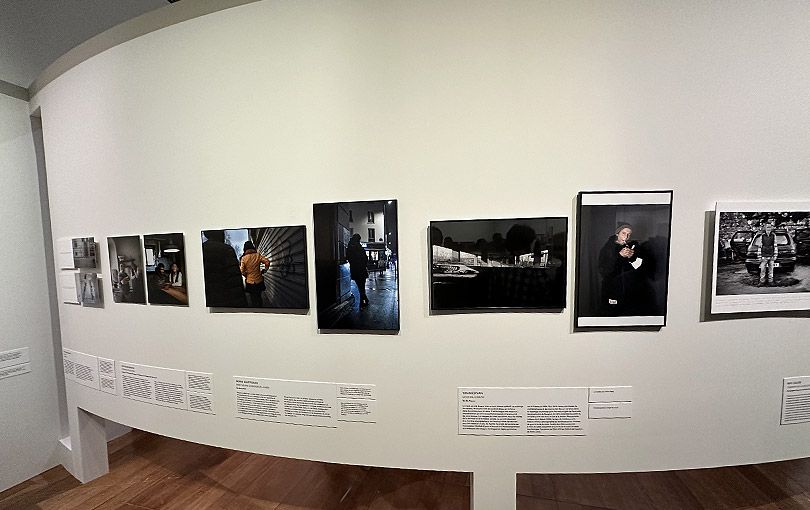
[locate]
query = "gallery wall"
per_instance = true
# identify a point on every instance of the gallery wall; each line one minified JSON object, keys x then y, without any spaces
{"x":458,"y":110}
{"x":30,"y":425}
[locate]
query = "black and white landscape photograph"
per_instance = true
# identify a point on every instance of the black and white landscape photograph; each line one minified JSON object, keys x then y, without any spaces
{"x":498,"y":263}
{"x":761,"y":257}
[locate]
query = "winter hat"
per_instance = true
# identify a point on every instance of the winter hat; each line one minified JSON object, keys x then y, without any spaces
{"x":622,"y":225}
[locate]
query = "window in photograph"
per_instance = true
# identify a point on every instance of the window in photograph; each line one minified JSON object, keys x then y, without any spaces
{"x":371,"y":217}
{"x":371,"y":235}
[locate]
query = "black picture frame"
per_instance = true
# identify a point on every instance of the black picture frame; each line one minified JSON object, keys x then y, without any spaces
{"x":616,"y":288}
{"x":280,"y":271}
{"x":342,"y":235}
{"x":498,"y":264}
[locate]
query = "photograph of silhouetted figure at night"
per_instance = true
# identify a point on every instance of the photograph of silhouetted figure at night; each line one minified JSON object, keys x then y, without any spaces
{"x":356,"y":265}
{"x":256,"y":268}
{"x":498,"y":263}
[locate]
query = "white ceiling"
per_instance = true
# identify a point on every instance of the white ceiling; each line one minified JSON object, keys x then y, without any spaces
{"x":34,"y":33}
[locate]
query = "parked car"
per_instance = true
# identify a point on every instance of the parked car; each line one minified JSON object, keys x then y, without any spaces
{"x":802,"y":240}
{"x":740,"y":242}
{"x":785,"y":257}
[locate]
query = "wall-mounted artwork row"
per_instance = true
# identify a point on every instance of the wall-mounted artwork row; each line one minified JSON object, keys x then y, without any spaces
{"x":356,"y":265}
{"x":126,"y":269}
{"x":761,"y":257}
{"x":622,"y":258}
{"x":165,"y":261}
{"x":263,"y":267}
{"x":498,"y":263}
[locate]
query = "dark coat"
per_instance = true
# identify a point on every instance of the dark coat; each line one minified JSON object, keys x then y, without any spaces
{"x":223,"y":278}
{"x":358,"y":261}
{"x":625,"y":289}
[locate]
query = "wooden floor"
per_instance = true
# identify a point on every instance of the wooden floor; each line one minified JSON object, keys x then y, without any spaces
{"x":771,"y":486}
{"x":149,"y":472}
{"x":154,"y":472}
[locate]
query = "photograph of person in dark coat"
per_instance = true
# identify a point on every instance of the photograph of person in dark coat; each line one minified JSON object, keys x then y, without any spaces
{"x":625,"y":286}
{"x":358,"y":266}
{"x":622,"y":269}
{"x":223,"y":278}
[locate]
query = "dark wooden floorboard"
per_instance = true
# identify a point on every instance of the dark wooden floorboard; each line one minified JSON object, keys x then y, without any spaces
{"x":149,"y":472}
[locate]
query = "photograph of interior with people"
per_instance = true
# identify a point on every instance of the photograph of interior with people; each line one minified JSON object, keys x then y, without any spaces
{"x":356,"y":265}
{"x":623,"y":258}
{"x":126,"y":269}
{"x":165,"y":259}
{"x":256,"y":268}
{"x":498,"y":263}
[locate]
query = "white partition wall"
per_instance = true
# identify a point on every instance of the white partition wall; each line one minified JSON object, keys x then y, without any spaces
{"x":458,"y":110}
{"x":29,"y":421}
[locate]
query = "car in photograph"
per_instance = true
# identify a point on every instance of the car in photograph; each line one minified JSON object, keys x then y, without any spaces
{"x":785,"y":257}
{"x":740,"y":242}
{"x":802,"y":240}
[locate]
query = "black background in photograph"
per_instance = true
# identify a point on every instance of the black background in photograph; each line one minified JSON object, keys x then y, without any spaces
{"x":503,"y":263}
{"x":651,"y":228}
{"x":126,"y":269}
{"x":340,"y":301}
{"x":285,"y":279}
{"x":736,"y":230}
{"x":161,"y":251}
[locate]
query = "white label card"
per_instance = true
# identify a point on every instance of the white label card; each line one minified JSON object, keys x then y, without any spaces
{"x":154,"y":385}
{"x":81,"y":368}
{"x":357,"y":410}
{"x":200,"y":382}
{"x":345,"y":390}
{"x":282,"y":401}
{"x":14,"y":357}
{"x":610,"y":394}
{"x":523,"y":411}
{"x":64,"y":253}
{"x":795,"y":400}
{"x":11,"y":371}
{"x":610,"y":410}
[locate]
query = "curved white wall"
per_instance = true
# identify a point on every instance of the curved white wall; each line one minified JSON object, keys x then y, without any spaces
{"x":459,"y":110}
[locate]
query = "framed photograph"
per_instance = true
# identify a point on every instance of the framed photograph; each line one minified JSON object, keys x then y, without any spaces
{"x":126,"y":269}
{"x":263,"y":267}
{"x":88,"y":291}
{"x":356,"y":265}
{"x":84,"y":252}
{"x":165,"y":259}
{"x":761,"y":257}
{"x":515,"y":263}
{"x":622,"y":268}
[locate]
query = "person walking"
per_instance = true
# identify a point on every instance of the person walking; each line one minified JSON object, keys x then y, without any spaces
{"x":358,"y":266}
